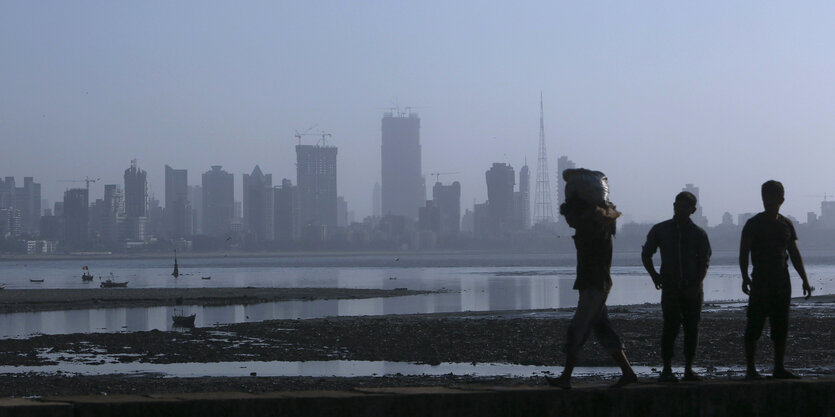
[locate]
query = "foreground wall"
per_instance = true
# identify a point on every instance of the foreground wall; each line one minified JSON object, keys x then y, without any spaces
{"x":715,"y":399}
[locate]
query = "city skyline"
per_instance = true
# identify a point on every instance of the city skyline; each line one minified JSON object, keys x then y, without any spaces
{"x":710,"y":94}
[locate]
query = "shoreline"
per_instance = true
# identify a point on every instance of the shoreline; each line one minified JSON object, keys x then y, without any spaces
{"x":513,"y":337}
{"x":37,"y":300}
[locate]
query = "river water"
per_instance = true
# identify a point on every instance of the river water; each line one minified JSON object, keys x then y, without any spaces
{"x":466,"y":288}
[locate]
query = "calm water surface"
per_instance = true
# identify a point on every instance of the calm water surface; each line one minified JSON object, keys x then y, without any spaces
{"x":467,"y":289}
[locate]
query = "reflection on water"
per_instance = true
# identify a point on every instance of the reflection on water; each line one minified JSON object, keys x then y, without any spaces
{"x":467,"y":289}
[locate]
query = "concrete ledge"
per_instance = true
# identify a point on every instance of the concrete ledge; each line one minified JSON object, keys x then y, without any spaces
{"x":709,"y":399}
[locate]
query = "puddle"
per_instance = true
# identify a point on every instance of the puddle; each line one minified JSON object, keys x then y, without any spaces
{"x":337,"y":368}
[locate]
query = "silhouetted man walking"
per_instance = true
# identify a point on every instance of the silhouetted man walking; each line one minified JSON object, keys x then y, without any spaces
{"x":768,"y":237}
{"x":685,"y":255}
{"x":594,"y":227}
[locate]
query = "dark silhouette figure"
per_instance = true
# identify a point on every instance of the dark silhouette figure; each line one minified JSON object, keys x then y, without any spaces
{"x":685,"y":255}
{"x":768,"y":237}
{"x":594,"y":227}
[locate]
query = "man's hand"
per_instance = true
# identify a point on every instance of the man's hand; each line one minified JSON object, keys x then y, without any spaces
{"x":746,"y":285}
{"x":656,"y":279}
{"x":807,"y":289}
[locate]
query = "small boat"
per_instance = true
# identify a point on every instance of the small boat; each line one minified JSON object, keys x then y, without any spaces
{"x":2,"y":286}
{"x":176,"y":272}
{"x":182,"y":320}
{"x":205,"y":277}
{"x":110,"y":283}
{"x":35,"y":280}
{"x":86,"y":276}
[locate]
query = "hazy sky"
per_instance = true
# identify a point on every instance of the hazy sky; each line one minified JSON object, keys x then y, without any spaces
{"x":656,"y":94}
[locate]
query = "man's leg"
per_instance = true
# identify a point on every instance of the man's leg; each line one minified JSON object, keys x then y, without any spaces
{"x":779,"y":321}
{"x":588,"y":307}
{"x":691,"y":315}
{"x":753,"y":329}
{"x":671,"y":311}
{"x":611,"y":341}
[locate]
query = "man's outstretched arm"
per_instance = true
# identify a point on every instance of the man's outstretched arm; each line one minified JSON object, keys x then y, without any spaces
{"x":797,"y":261}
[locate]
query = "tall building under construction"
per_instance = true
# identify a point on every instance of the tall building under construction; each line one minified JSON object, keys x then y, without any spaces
{"x":316,"y":181}
{"x":403,"y":189}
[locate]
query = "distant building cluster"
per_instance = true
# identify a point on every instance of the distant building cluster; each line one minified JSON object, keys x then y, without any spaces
{"x":310,"y":214}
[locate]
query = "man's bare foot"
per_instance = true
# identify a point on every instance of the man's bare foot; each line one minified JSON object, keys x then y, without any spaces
{"x":753,"y":376}
{"x":625,"y":380}
{"x":784,"y":374}
{"x":667,"y":376}
{"x":691,"y":376}
{"x":562,"y":381}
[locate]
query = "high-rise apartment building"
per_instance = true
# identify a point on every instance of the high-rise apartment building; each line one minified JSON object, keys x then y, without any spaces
{"x":501,"y":180}
{"x":698,"y":217}
{"x":259,"y":205}
{"x":136,"y":203}
{"x":218,"y":201}
{"x":403,"y":188}
{"x":316,"y":180}
{"x":76,"y":218}
{"x":113,"y":214}
{"x":448,"y":200}
{"x":523,"y":199}
{"x":177,"y":217}
{"x":26,"y":199}
{"x":286,"y":212}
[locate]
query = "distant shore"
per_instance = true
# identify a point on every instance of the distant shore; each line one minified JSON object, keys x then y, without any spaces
{"x":16,"y":301}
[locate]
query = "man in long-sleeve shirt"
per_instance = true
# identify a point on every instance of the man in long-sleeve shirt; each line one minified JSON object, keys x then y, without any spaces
{"x":685,"y":255}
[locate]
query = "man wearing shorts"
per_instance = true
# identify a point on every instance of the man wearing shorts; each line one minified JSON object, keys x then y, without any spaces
{"x":770,"y":240}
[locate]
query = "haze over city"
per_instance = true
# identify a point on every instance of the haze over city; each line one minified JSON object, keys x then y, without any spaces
{"x":720,"y":95}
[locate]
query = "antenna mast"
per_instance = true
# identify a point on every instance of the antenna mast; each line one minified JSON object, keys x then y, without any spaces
{"x":543,"y":211}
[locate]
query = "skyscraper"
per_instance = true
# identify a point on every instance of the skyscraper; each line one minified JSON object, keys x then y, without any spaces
{"x":403,"y":189}
{"x":500,"y":202}
{"x":448,"y":200}
{"x":316,"y":179}
{"x":698,"y":217}
{"x":177,"y":205}
{"x":341,"y":212}
{"x":113,"y":213}
{"x":76,"y":218}
{"x":136,"y":202}
{"x":259,"y":205}
{"x":523,"y":199}
{"x":286,"y":212}
{"x":26,"y":199}
{"x":218,"y":201}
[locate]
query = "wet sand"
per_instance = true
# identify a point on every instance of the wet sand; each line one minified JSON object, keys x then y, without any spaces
{"x":518,"y":337}
{"x":15,"y":301}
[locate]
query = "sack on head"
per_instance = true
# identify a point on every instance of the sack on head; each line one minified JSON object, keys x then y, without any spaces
{"x":589,"y":186}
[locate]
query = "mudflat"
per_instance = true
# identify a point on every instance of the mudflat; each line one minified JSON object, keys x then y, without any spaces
{"x":516,"y":337}
{"x":14,"y":301}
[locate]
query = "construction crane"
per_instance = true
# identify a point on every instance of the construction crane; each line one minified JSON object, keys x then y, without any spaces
{"x":438,"y":174}
{"x":323,"y":141}
{"x":86,"y":180}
